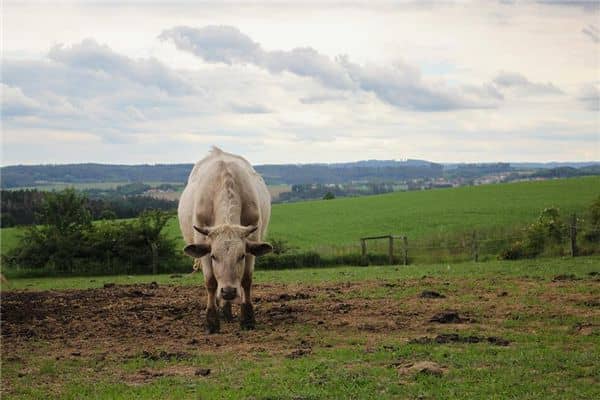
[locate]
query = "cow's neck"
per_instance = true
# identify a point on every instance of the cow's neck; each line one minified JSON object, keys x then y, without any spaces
{"x":228,"y":205}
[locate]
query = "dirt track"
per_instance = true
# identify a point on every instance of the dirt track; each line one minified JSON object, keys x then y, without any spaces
{"x":132,"y":319}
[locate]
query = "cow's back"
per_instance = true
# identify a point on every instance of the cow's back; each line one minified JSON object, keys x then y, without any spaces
{"x":198,"y":196}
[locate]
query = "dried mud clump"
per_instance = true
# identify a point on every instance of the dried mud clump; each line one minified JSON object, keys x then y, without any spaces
{"x":447,"y":317}
{"x":165,"y":356}
{"x":422,"y":368}
{"x":202,"y":372}
{"x":430,"y":294}
{"x":297,"y":353}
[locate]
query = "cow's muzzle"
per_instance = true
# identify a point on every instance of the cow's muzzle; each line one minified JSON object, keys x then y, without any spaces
{"x":228,"y":293}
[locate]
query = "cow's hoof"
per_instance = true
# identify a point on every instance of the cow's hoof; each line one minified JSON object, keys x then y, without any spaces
{"x":226,"y":311}
{"x":212,"y":321}
{"x":247,"y":320}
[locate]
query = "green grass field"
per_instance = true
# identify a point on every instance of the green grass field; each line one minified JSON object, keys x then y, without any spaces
{"x":356,"y":332}
{"x":423,"y":214}
{"x":326,"y":224}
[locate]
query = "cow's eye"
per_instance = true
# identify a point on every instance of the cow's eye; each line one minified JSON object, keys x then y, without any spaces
{"x":212,"y":256}
{"x":242,"y":257}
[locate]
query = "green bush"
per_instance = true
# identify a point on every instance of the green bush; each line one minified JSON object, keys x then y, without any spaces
{"x":68,"y":242}
{"x":281,"y":246}
{"x":548,"y":234}
{"x":591,"y":228}
{"x":514,"y":252}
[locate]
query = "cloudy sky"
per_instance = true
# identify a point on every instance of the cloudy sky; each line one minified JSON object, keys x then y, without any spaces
{"x":280,"y":82}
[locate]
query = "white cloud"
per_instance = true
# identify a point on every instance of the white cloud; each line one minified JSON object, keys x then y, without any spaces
{"x":592,"y":32}
{"x":95,"y":58}
{"x":14,"y":102}
{"x":400,"y":85}
{"x":518,"y":82}
{"x":589,"y":96}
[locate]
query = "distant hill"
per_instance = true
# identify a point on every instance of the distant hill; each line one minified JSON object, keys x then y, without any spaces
{"x":32,"y":175}
{"x":553,"y":164}
{"x":290,"y":174}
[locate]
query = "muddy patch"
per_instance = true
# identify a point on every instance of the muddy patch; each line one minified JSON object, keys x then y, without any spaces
{"x":165,"y":322}
{"x":564,"y":277}
{"x":283,"y":297}
{"x":146,"y":375}
{"x":448,"y":338}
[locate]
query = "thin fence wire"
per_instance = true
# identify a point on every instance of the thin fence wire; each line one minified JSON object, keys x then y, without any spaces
{"x":470,"y":246}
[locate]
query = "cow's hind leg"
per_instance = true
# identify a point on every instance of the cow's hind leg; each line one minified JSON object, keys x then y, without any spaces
{"x":212,"y":316}
{"x":247,"y":320}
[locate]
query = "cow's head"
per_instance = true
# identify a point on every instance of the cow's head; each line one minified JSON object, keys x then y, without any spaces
{"x":227,"y":246}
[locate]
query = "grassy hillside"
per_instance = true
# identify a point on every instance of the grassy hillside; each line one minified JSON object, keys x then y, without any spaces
{"x":340,"y":222}
{"x":9,"y":238}
{"x":427,"y":213}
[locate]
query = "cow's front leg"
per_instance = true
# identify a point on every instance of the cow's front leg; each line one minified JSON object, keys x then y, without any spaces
{"x":247,"y":320}
{"x":226,"y":310}
{"x":212,"y":316}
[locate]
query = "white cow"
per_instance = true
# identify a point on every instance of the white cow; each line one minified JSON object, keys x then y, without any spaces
{"x":224,"y":212}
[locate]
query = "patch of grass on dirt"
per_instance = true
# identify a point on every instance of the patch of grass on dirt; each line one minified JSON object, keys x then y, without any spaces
{"x":546,"y":268}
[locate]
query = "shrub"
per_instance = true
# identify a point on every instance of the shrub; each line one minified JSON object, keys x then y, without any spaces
{"x":549,"y":231}
{"x":68,"y":242}
{"x":281,"y":246}
{"x":514,"y":252}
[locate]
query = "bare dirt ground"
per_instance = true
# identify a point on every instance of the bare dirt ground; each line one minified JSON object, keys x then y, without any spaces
{"x":168,"y":321}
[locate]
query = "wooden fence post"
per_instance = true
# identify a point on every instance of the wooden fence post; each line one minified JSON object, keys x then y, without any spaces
{"x":475,"y":247}
{"x":154,"y":258}
{"x":391,"y":249}
{"x":405,"y":245}
{"x":363,"y":251}
{"x":573,"y":234}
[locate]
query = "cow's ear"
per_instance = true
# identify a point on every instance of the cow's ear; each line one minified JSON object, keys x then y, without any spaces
{"x":197,"y":250}
{"x":258,"y":248}
{"x":203,"y":230}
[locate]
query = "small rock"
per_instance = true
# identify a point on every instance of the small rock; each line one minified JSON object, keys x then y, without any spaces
{"x":76,"y":353}
{"x":153,"y":285}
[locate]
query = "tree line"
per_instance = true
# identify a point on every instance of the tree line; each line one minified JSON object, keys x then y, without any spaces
{"x":22,"y":207}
